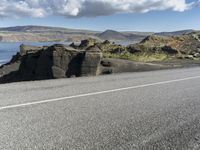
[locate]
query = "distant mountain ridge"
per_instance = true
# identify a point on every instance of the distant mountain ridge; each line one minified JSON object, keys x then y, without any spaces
{"x":33,"y":33}
{"x":32,"y":28}
{"x":175,"y":33}
{"x":44,"y":34}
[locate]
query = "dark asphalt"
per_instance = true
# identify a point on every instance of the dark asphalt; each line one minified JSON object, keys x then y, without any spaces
{"x":156,"y":117}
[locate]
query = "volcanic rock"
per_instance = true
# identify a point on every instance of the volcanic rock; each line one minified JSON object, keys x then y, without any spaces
{"x":56,"y":61}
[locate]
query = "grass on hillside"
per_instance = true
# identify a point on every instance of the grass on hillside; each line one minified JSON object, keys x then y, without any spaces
{"x":140,"y":57}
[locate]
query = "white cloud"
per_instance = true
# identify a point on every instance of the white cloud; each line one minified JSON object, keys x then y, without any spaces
{"x":86,"y":8}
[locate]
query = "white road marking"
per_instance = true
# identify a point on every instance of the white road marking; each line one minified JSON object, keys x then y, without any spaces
{"x":96,"y":93}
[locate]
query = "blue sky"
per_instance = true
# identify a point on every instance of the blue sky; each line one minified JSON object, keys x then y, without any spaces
{"x":169,"y":19}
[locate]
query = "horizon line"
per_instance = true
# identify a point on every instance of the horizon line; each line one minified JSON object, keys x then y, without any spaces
{"x":128,"y":30}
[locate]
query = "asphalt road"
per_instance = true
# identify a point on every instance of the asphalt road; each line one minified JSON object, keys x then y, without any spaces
{"x":148,"y":111}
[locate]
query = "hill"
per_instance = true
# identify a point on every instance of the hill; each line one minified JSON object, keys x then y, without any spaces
{"x":122,"y":36}
{"x":175,"y":33}
{"x":32,"y":28}
{"x":45,"y":34}
{"x":111,"y":34}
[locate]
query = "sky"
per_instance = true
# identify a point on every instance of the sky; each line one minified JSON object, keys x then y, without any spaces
{"x":121,"y":15}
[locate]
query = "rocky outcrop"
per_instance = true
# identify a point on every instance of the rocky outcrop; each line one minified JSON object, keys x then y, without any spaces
{"x":93,"y":57}
{"x":57,"y":61}
{"x":110,"y":66}
{"x":60,"y":61}
{"x":184,"y":46}
{"x":188,"y":44}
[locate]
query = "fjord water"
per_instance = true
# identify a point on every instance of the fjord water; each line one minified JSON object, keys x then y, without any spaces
{"x":8,"y":49}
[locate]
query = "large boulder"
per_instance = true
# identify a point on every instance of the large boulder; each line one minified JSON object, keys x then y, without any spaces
{"x":66,"y":61}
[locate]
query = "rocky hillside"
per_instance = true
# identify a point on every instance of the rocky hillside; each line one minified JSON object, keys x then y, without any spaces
{"x":187,"y":45}
{"x":158,"y":48}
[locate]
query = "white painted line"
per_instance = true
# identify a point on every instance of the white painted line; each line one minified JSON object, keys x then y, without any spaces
{"x":96,"y":93}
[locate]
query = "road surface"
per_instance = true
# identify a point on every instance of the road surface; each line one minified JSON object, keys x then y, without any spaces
{"x":142,"y":111}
